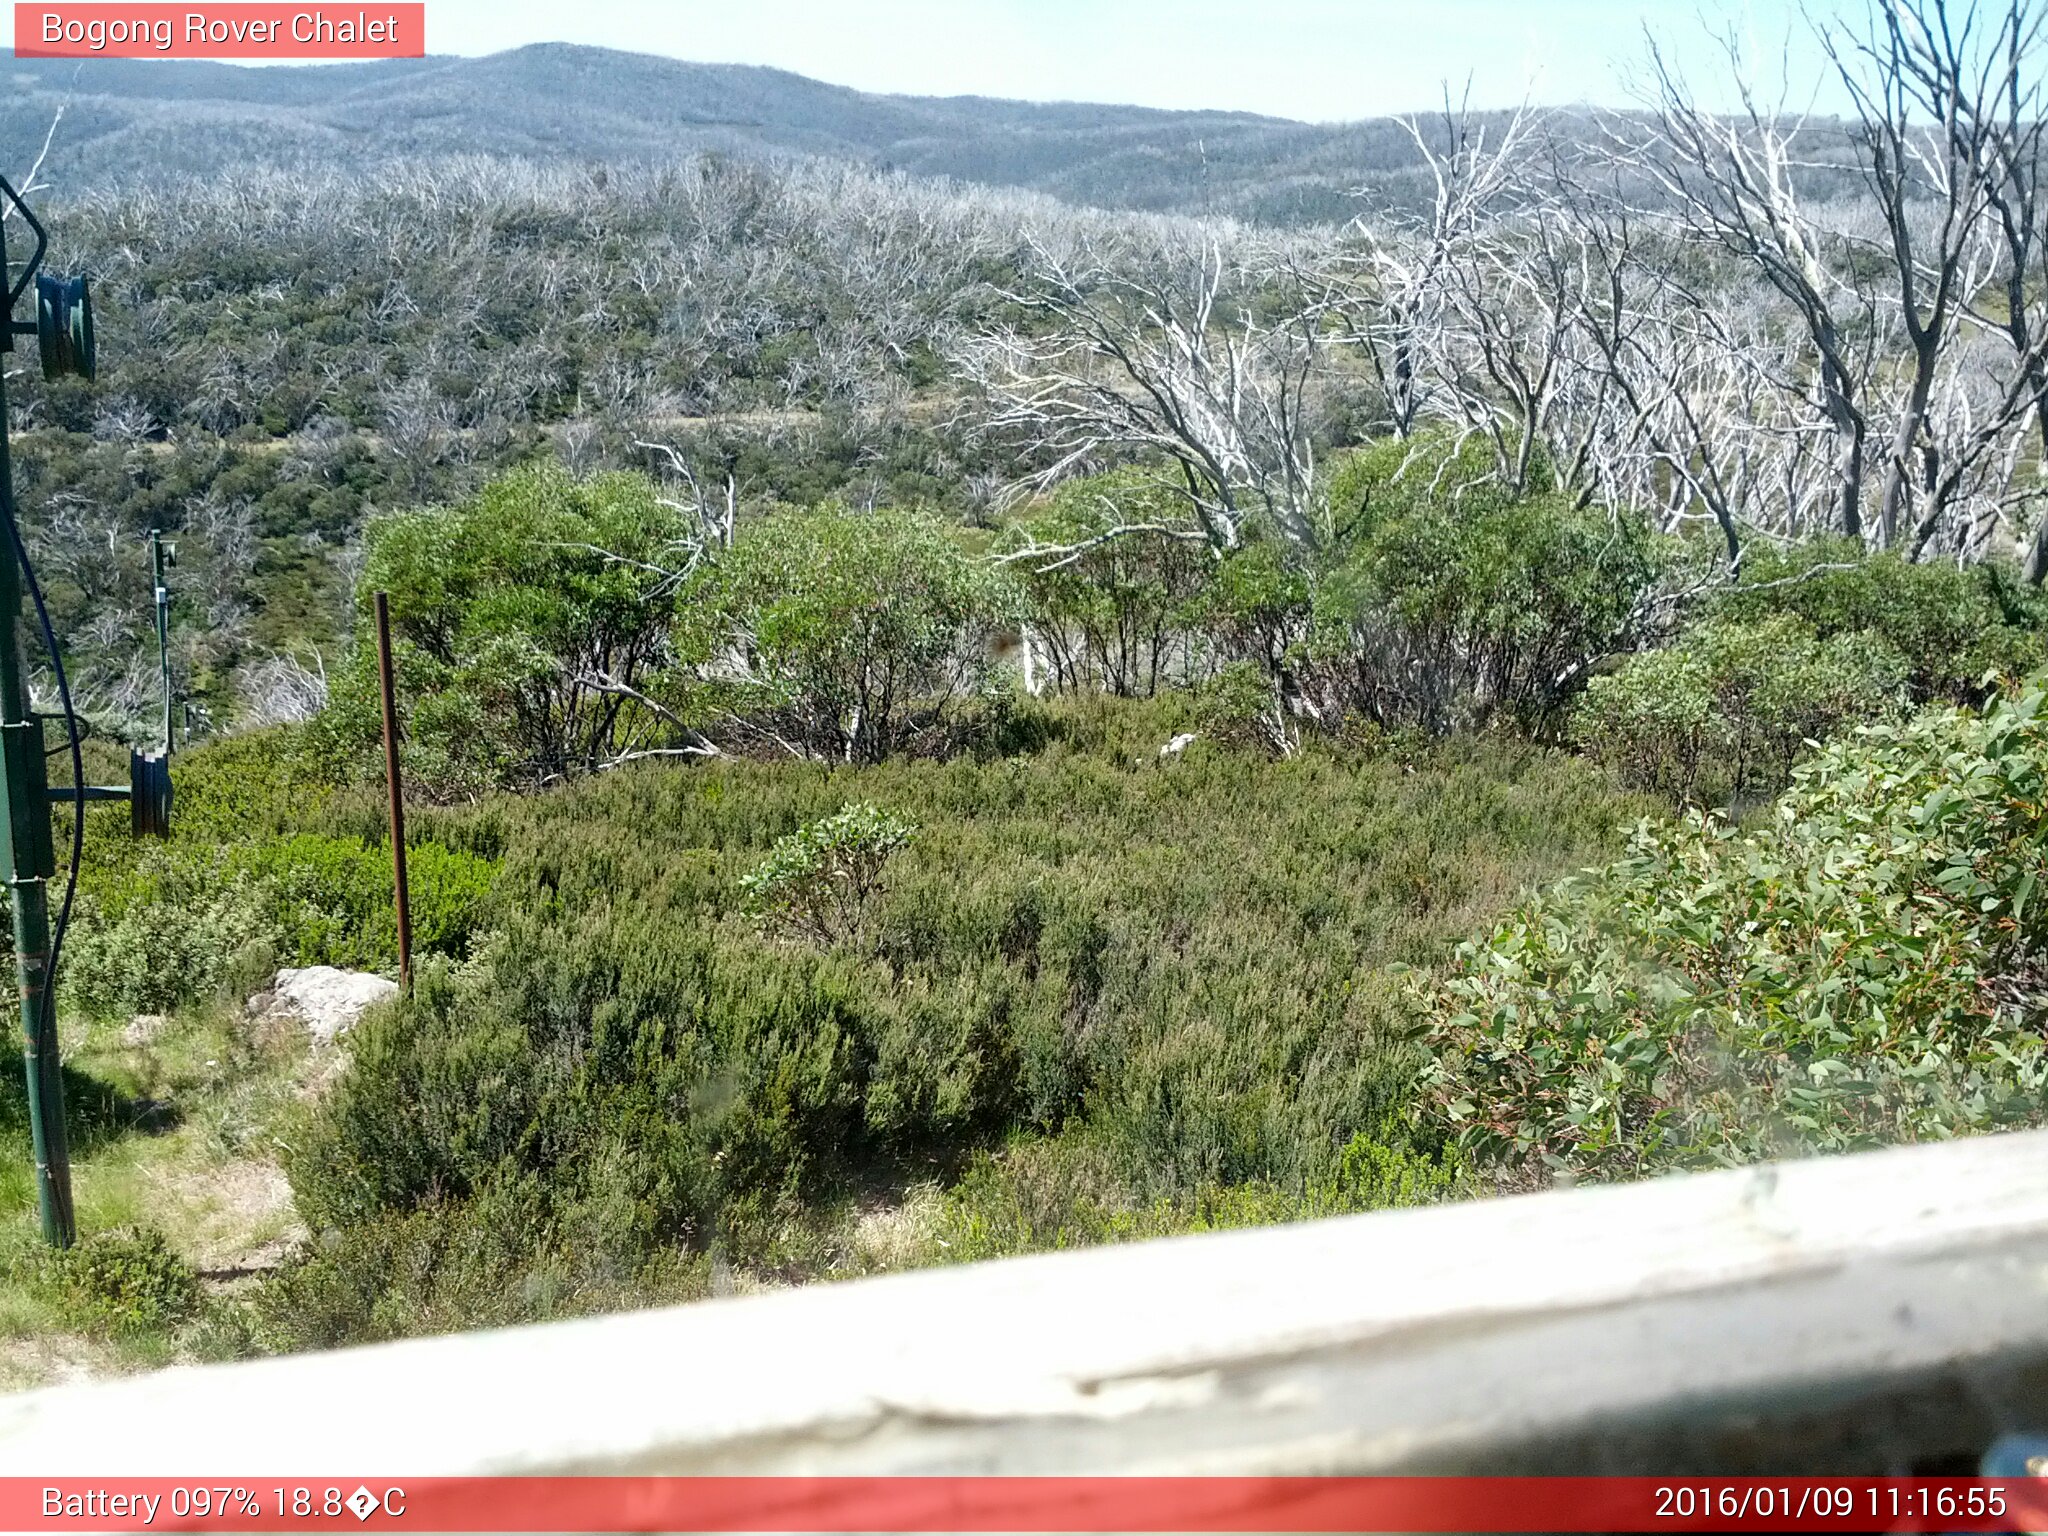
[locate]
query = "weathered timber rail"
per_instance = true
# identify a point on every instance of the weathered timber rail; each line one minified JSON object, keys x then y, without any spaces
{"x":1879,"y":1313}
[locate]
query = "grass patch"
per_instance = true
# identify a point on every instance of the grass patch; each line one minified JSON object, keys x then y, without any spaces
{"x":177,"y":1191}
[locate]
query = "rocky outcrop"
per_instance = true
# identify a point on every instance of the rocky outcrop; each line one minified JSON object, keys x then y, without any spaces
{"x":326,"y":1000}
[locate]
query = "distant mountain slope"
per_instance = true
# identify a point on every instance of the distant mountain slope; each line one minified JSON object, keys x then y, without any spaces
{"x":135,"y":118}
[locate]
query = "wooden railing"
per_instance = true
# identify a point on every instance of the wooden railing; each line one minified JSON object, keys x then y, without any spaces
{"x":1879,"y":1313}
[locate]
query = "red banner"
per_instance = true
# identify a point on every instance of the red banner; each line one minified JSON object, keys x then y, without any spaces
{"x":233,"y":31}
{"x":1000,"y":1504}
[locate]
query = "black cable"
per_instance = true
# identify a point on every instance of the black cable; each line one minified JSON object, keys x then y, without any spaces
{"x":48,"y":1022}
{"x":84,"y":734}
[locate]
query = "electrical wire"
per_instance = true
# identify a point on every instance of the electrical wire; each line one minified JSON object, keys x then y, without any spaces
{"x":48,"y":1022}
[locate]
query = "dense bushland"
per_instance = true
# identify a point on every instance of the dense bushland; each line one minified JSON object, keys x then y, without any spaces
{"x":1121,"y":994}
{"x":878,"y":959}
{"x":1006,"y":762}
{"x":272,"y":863}
{"x":1625,"y":332}
{"x":553,"y":625}
{"x":684,"y":1024}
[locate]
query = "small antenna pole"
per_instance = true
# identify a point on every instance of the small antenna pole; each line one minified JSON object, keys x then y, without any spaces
{"x":159,"y":558}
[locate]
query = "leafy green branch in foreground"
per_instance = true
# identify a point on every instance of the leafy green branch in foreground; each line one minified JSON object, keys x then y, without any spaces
{"x":1862,"y":967}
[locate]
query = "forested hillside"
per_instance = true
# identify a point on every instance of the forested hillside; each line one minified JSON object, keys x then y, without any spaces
{"x":129,"y":121}
{"x":285,"y":357}
{"x":940,"y":721}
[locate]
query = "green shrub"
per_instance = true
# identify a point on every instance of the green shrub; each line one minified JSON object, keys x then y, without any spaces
{"x":332,"y":898}
{"x":1066,"y":1193}
{"x":179,"y":930}
{"x":1375,"y":1174}
{"x":821,"y":880}
{"x":222,"y":905}
{"x":124,"y":1281}
{"x":1115,"y":616}
{"x":1395,"y":478}
{"x":1451,"y":603}
{"x":846,"y":636}
{"x":524,"y":621}
{"x":191,"y":923}
{"x":1721,"y":712}
{"x":1240,"y":708}
{"x":1952,"y":626}
{"x":1862,"y":969}
{"x":238,"y":788}
{"x":1255,"y":612}
{"x":496,"y":1261}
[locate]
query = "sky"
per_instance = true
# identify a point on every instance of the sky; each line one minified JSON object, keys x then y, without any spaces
{"x":1319,"y":60}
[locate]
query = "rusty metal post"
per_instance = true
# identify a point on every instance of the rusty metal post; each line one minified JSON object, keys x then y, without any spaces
{"x":396,"y":791}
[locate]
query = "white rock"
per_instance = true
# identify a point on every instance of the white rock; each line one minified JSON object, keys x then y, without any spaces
{"x":1178,"y":745}
{"x":328,"y":1000}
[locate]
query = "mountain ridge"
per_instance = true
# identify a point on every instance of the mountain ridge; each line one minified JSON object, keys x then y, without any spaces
{"x":127,"y":119}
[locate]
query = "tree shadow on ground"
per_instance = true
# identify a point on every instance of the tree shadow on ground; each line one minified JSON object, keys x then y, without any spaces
{"x":96,"y":1113}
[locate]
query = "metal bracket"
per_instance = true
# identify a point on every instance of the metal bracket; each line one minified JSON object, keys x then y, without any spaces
{"x":148,"y":793}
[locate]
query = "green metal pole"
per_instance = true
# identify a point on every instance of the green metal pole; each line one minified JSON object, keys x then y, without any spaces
{"x":29,"y":863}
{"x":163,"y":626}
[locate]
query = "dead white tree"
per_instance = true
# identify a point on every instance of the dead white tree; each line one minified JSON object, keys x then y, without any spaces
{"x":1925,"y":87}
{"x":1475,"y":320}
{"x":282,"y":690}
{"x":1191,"y":345}
{"x":709,"y":515}
{"x":1701,"y":409}
{"x":32,"y":181}
{"x":1731,"y":184}
{"x":2005,"y":117}
{"x":1509,"y":367}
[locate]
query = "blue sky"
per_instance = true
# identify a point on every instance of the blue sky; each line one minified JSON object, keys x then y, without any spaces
{"x":1321,"y":60}
{"x":1316,"y":59}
